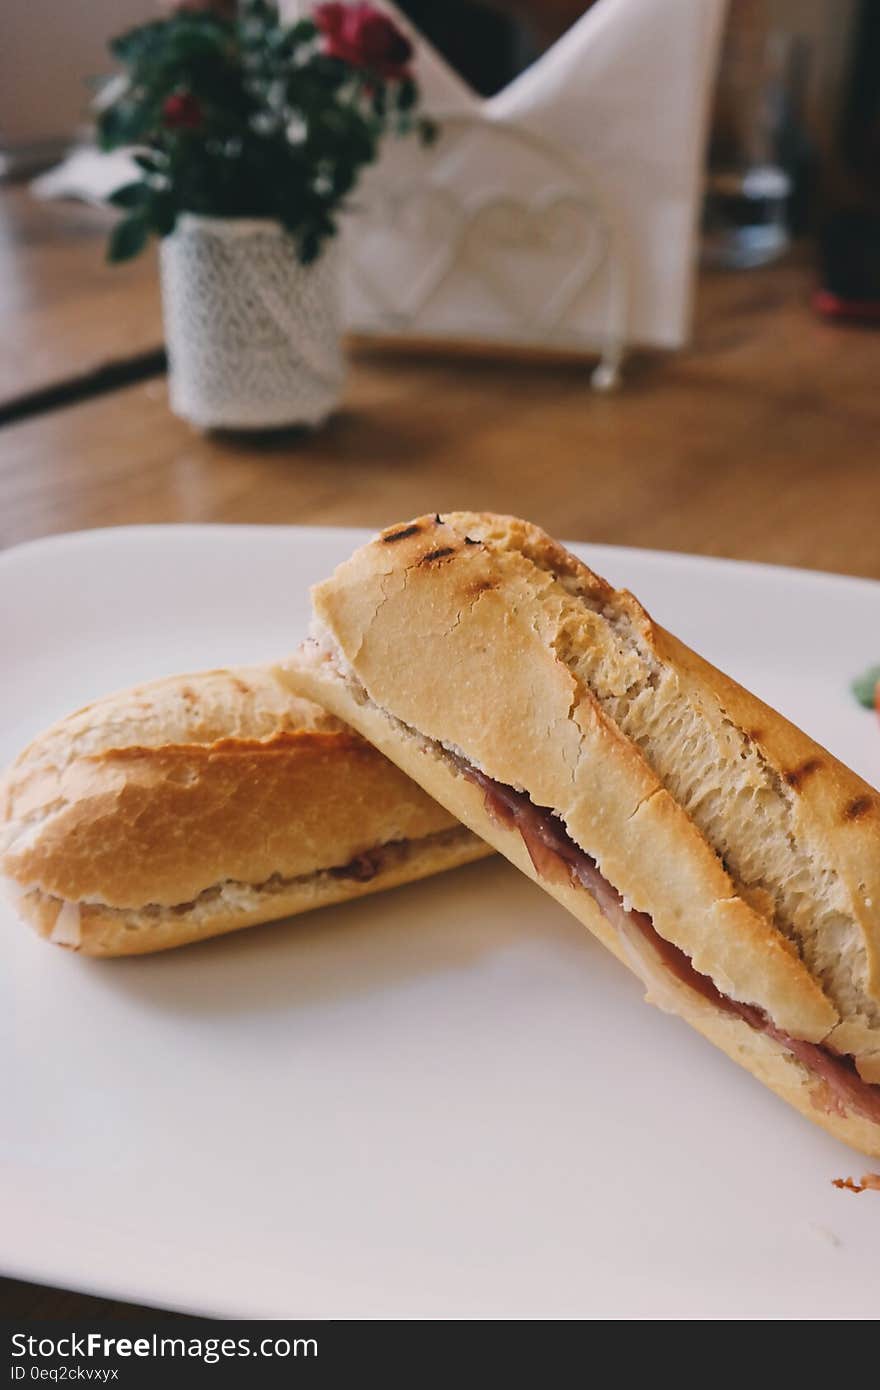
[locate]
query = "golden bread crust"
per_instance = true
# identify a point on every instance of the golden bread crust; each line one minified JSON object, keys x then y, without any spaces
{"x":96,"y":930}
{"x":158,"y":795}
{"x":476,"y":606}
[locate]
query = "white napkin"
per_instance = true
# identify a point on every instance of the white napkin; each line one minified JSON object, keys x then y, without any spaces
{"x":88,"y":174}
{"x":614,"y":112}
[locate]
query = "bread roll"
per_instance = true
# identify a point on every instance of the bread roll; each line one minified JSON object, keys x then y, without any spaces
{"x":201,"y":804}
{"x":713,"y":847}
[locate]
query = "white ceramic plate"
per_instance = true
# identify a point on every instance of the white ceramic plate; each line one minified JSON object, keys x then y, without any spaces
{"x":445,"y":1101}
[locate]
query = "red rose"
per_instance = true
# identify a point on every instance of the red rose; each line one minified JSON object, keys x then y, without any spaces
{"x":182,"y":111}
{"x":366,"y":38}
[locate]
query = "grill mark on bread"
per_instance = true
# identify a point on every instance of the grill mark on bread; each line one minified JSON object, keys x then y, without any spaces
{"x":806,"y":893}
{"x":402,"y":534}
{"x":799,"y":775}
{"x":688,"y":721}
{"x":628,"y":631}
{"x":858,"y":808}
{"x":480,"y":586}
{"x":440,"y":554}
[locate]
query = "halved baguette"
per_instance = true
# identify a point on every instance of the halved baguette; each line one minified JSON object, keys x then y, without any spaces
{"x":201,"y":804}
{"x":738,"y":863}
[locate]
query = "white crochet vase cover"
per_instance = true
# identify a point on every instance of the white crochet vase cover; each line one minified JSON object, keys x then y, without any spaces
{"x":253,"y":336}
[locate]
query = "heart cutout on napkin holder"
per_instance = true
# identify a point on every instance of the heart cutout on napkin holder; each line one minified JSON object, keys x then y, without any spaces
{"x":598,"y":143}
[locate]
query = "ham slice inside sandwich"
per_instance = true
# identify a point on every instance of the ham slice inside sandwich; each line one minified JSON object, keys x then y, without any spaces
{"x":556,"y":858}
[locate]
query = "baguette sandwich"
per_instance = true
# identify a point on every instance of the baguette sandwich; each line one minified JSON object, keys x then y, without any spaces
{"x":200,"y":804}
{"x":719,"y":852}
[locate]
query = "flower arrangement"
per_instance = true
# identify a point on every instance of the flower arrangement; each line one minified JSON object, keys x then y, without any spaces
{"x":234,"y":113}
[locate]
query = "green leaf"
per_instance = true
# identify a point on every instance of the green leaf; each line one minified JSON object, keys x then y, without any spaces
{"x":286,"y":129}
{"x":265,"y":11}
{"x":303,"y":31}
{"x":342,"y":179}
{"x":163,"y":213}
{"x":126,"y":123}
{"x":407,"y":95}
{"x":194,"y":41}
{"x":137,"y":44}
{"x":110,"y":128}
{"x":309,"y":246}
{"x":128,"y":238}
{"x":330,"y":72}
{"x":865,"y":687}
{"x":131,"y":195}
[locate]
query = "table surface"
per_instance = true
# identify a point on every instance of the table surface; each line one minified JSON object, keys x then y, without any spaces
{"x":759,"y":442}
{"x":66,"y":314}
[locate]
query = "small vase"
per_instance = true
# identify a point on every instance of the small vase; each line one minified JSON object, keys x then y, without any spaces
{"x":253,"y":336}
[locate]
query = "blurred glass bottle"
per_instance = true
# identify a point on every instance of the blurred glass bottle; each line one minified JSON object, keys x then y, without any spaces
{"x":758,"y":152}
{"x":849,"y":228}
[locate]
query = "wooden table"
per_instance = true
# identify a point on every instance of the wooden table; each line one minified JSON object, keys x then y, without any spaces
{"x":761,"y":442}
{"x":70,"y":322}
